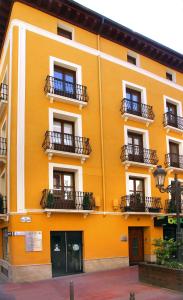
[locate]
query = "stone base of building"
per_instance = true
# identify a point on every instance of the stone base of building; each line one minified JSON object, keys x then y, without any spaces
{"x":102,"y":264}
{"x":150,"y":257}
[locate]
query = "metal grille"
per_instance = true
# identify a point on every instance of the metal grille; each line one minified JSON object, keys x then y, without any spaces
{"x":62,"y":199}
{"x":138,"y":154}
{"x":66,"y":142}
{"x":67,"y":89}
{"x":135,"y":108}
{"x":170,"y":119}
{"x":174,"y":160}
{"x":170,"y":206}
{"x":3,"y":146}
{"x":3,"y":92}
{"x":3,"y":205}
{"x":138,"y":203}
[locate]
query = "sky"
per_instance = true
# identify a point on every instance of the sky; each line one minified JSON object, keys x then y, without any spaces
{"x":160,"y":20}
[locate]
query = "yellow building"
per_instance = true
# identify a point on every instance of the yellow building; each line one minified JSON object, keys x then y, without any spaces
{"x":88,"y":108}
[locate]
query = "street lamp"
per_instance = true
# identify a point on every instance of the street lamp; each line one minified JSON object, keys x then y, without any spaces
{"x":175,"y":189}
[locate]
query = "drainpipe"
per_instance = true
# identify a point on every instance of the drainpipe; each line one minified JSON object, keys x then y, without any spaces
{"x":101,"y":119}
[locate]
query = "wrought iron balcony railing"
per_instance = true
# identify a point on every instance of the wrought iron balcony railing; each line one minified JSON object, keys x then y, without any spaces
{"x":3,"y":92}
{"x":3,"y":146}
{"x":138,"y":154}
{"x":66,"y":142}
{"x":174,"y":160}
{"x":3,"y":205}
{"x":63,"y":199}
{"x":138,"y":203}
{"x":137,"y":109}
{"x":64,"y":88}
{"x":170,"y":206}
{"x":170,"y":119}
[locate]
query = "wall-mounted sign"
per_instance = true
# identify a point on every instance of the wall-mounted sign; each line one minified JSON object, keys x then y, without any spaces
{"x":167,"y":221}
{"x":16,"y":233}
{"x":25,"y":219}
{"x":33,"y":241}
{"x":123,"y":238}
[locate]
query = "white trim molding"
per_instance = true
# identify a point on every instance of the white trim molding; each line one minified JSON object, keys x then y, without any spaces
{"x":67,"y":28}
{"x":69,"y":168}
{"x":21,"y":120}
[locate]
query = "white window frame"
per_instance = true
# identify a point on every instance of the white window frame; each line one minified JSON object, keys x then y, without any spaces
{"x":3,"y":124}
{"x":175,"y":140}
{"x":134,"y":55}
{"x":144,"y":132}
{"x":68,"y":65}
{"x":78,"y":170}
{"x":173,"y":75}
{"x":139,"y":88}
{"x":147,"y":182}
{"x":68,"y":116}
{"x":5,"y":76}
{"x":67,"y":28}
{"x":178,"y":103}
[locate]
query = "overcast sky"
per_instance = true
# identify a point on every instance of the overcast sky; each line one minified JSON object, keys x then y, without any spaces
{"x":161,"y":20}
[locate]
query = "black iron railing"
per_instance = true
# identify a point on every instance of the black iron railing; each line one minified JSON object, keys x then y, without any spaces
{"x":138,"y":203}
{"x":3,"y":92}
{"x":65,"y":88}
{"x":170,"y":206}
{"x":3,"y":205}
{"x":170,"y":119}
{"x":66,"y":142}
{"x":62,"y":199}
{"x":138,"y":109}
{"x":138,"y":154}
{"x":174,"y":160}
{"x":3,"y":146}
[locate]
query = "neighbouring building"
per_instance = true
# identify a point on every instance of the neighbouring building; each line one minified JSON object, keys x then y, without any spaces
{"x":88,"y":108}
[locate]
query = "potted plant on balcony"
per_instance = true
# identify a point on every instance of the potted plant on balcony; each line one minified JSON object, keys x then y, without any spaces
{"x":1,"y":204}
{"x":86,"y":202}
{"x":50,"y":200}
{"x":155,"y":203}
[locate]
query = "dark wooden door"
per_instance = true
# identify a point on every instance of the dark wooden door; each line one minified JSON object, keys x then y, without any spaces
{"x":172,"y":114}
{"x":134,"y":102}
{"x":174,"y":154}
{"x":135,"y":147}
{"x":136,"y":245}
{"x":63,"y":136}
{"x":66,"y":252}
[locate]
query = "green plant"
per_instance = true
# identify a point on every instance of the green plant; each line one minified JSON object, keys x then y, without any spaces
{"x":164,"y":249}
{"x":173,"y":264}
{"x":86,"y":202}
{"x":50,"y":200}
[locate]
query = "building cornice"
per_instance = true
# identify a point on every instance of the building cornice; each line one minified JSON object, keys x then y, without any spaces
{"x":78,"y":15}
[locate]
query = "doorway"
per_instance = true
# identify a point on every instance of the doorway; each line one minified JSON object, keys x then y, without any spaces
{"x":136,"y":245}
{"x":66,"y":252}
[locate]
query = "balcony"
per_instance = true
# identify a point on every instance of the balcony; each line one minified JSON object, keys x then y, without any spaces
{"x":170,"y":206}
{"x":135,"y":155}
{"x":137,"y":111}
{"x":64,"y":91}
{"x":3,"y":150}
{"x":140,"y":204}
{"x":3,"y":207}
{"x":67,"y":201}
{"x":174,"y":161}
{"x":68,"y":145}
{"x":172,"y":122}
{"x":3,"y":96}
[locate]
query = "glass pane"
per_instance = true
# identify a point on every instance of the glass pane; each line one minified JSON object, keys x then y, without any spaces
{"x":129,"y":140}
{"x":58,"y":74}
{"x":135,"y":98}
{"x":131,"y":185}
{"x":56,"y":126}
{"x":136,"y":141}
{"x":68,"y":180}
{"x":69,"y":78}
{"x":68,"y":128}
{"x":135,"y":246}
{"x":128,"y":96}
{"x":139,"y":185}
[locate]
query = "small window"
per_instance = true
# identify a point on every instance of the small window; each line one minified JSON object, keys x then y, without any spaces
{"x":169,"y":76}
{"x":132,"y":59}
{"x":65,"y":33}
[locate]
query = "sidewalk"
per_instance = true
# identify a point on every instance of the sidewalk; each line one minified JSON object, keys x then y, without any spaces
{"x":107,"y":285}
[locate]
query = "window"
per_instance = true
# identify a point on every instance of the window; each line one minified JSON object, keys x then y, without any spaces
{"x":131,"y":59}
{"x":135,"y":147}
{"x":63,"y":135}
{"x":174,"y":154}
{"x":64,"y":189}
{"x":134,"y":101}
{"x":169,"y":76}
{"x":137,"y":193}
{"x":64,"y":82}
{"x":65,"y":33}
{"x":171,"y":110}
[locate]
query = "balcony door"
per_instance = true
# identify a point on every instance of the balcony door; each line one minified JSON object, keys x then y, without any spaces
{"x":64,"y":190}
{"x":63,"y":135}
{"x":134,"y":102}
{"x":137,"y":194}
{"x":174,"y":154}
{"x":64,"y":82}
{"x":135,"y":147}
{"x":171,"y":114}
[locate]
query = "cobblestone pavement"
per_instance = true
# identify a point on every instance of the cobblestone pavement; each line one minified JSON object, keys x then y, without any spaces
{"x":106,"y":285}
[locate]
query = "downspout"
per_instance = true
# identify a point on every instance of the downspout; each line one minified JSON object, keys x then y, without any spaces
{"x":101,"y":119}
